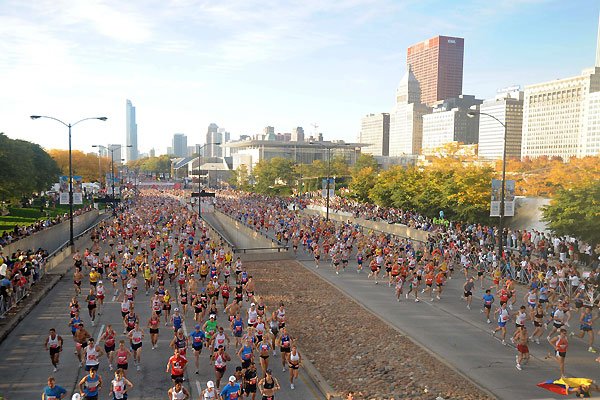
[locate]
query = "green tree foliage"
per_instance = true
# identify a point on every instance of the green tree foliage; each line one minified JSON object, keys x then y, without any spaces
{"x":461,"y":191}
{"x":576,"y":212}
{"x":160,"y":164}
{"x":276,"y":176}
{"x":364,"y":161}
{"x":240,"y":178}
{"x":363,"y":182}
{"x":24,"y":168}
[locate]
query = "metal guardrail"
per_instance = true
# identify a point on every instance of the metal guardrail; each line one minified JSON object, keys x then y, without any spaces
{"x":22,"y":291}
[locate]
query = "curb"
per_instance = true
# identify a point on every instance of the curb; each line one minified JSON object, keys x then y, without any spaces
{"x":21,"y":314}
{"x":318,"y":379}
{"x":415,"y":341}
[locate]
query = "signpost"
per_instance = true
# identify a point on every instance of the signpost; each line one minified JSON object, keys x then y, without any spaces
{"x":200,"y":196}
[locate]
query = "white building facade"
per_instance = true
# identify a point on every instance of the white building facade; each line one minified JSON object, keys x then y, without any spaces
{"x":375,"y":134}
{"x":507,"y":106}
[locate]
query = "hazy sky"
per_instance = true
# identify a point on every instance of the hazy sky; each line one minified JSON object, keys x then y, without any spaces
{"x":245,"y":64}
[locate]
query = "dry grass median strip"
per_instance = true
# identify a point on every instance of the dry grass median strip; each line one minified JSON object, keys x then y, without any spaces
{"x":351,"y":347}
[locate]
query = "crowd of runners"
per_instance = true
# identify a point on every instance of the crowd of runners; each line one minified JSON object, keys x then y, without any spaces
{"x":156,"y":255}
{"x":559,"y":300}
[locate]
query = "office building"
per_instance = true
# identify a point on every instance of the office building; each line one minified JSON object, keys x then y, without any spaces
{"x":131,"y":138}
{"x":437,"y":64}
{"x":179,"y":145}
{"x":507,"y":106}
{"x":590,"y":142}
{"x":406,"y":119}
{"x":375,"y":134}
{"x":450,"y":123}
{"x":297,"y":134}
{"x":215,"y":135}
{"x":555,"y":116}
{"x":152,"y":152}
{"x":251,"y":152}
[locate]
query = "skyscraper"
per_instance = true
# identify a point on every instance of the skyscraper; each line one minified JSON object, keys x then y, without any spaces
{"x":375,"y":132}
{"x":179,"y":145}
{"x":598,"y":44}
{"x":212,"y":150}
{"x":297,"y":134}
{"x":131,"y":154}
{"x":437,"y":64}
{"x":406,"y":119}
{"x":507,"y":106}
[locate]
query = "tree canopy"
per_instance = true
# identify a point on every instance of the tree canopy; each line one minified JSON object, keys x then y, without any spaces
{"x":160,"y":164}
{"x":89,"y":165}
{"x":24,"y":168}
{"x":576,"y":212}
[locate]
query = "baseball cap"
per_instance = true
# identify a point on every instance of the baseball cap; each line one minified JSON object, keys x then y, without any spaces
{"x":232,"y":378}
{"x":212,"y":316}
{"x":252,"y":304}
{"x":210,"y":384}
{"x":197,"y":326}
{"x":176,"y":309}
{"x":100,"y":282}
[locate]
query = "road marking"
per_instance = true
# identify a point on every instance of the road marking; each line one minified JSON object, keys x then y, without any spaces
{"x":100,"y":334}
{"x":199,"y":388}
{"x":115,"y":295}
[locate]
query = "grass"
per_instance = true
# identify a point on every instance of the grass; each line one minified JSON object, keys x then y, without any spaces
{"x":28,"y":216}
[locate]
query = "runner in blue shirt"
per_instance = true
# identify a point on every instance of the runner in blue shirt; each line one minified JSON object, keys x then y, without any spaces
{"x":232,"y":390}
{"x":197,"y":339}
{"x":53,"y":391}
{"x":488,"y":300}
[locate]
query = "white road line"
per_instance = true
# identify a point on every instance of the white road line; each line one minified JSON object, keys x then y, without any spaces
{"x":115,"y":295}
{"x":100,"y":334}
{"x":199,"y":387}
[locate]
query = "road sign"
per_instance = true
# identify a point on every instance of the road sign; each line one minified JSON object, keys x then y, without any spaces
{"x":203,"y":194}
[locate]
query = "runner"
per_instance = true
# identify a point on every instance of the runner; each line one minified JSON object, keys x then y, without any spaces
{"x":468,"y":291}
{"x":176,"y":366}
{"x":560,"y":344}
{"x":232,"y":390}
{"x":520,"y":338}
{"x":136,"y":336}
{"x":123,"y":355}
{"x":54,"y":345}
{"x":120,"y":386}
{"x":268,"y":386}
{"x":153,"y":328}
{"x":109,"y":339}
{"x":585,"y":326}
{"x":488,"y":300}
{"x":295,"y":361}
{"x":90,"y":385}
{"x":250,"y":381}
{"x":92,"y":355}
{"x":53,"y":391}
{"x":220,"y":358}
{"x":503,"y":318}
{"x":178,"y":391}
{"x":197,"y":338}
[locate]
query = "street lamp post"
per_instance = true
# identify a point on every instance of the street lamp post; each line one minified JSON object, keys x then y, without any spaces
{"x":69,"y":125}
{"x":328,"y":173}
{"x":471,"y":114}
{"x":112,"y":150}
{"x":200,"y":198}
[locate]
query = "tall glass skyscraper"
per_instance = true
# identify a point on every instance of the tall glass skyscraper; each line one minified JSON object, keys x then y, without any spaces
{"x":131,"y":153}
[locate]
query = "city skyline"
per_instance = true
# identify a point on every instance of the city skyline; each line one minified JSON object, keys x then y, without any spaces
{"x":290,"y":74}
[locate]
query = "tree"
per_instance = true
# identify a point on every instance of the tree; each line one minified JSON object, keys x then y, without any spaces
{"x":275,"y":176}
{"x":363,"y":181}
{"x":576,"y":212}
{"x":24,"y":168}
{"x":240,"y":178}
{"x":89,"y":165}
{"x":365,"y":161}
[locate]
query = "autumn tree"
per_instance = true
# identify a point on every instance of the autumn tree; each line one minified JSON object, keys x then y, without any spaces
{"x":240,"y":178}
{"x":90,"y":166}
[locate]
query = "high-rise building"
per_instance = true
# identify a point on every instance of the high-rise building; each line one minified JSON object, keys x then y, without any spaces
{"x":375,"y":134}
{"x":437,"y":64}
{"x":507,"y":106}
{"x":116,"y":152}
{"x":297,"y":134}
{"x":216,"y":135}
{"x":152,"y":152}
{"x":406,"y":119}
{"x":269,"y":130}
{"x":450,"y":123}
{"x":555,"y":116}
{"x":598,"y":45}
{"x":179,"y":145}
{"x":131,"y":139}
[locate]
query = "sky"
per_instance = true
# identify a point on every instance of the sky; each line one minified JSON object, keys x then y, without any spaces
{"x":246,"y":64}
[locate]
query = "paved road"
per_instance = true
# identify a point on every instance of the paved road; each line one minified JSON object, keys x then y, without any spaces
{"x":25,"y":365}
{"x":461,"y":336}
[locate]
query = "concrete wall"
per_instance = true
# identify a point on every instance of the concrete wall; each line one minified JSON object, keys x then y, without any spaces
{"x":52,"y":238}
{"x":381,"y":226}
{"x":242,"y":236}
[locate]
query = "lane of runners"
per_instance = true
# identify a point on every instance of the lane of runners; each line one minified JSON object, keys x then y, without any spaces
{"x":542,"y":313}
{"x":156,"y":264}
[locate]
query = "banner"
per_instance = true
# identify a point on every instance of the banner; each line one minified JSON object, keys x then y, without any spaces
{"x":77,"y":189}
{"x":509,"y":198}
{"x":64,"y":189}
{"x":331,"y":187}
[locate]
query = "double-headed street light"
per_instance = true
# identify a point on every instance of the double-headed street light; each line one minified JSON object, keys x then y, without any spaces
{"x":472,"y":113}
{"x":69,"y":125}
{"x":112,"y":150}
{"x":200,"y":198}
